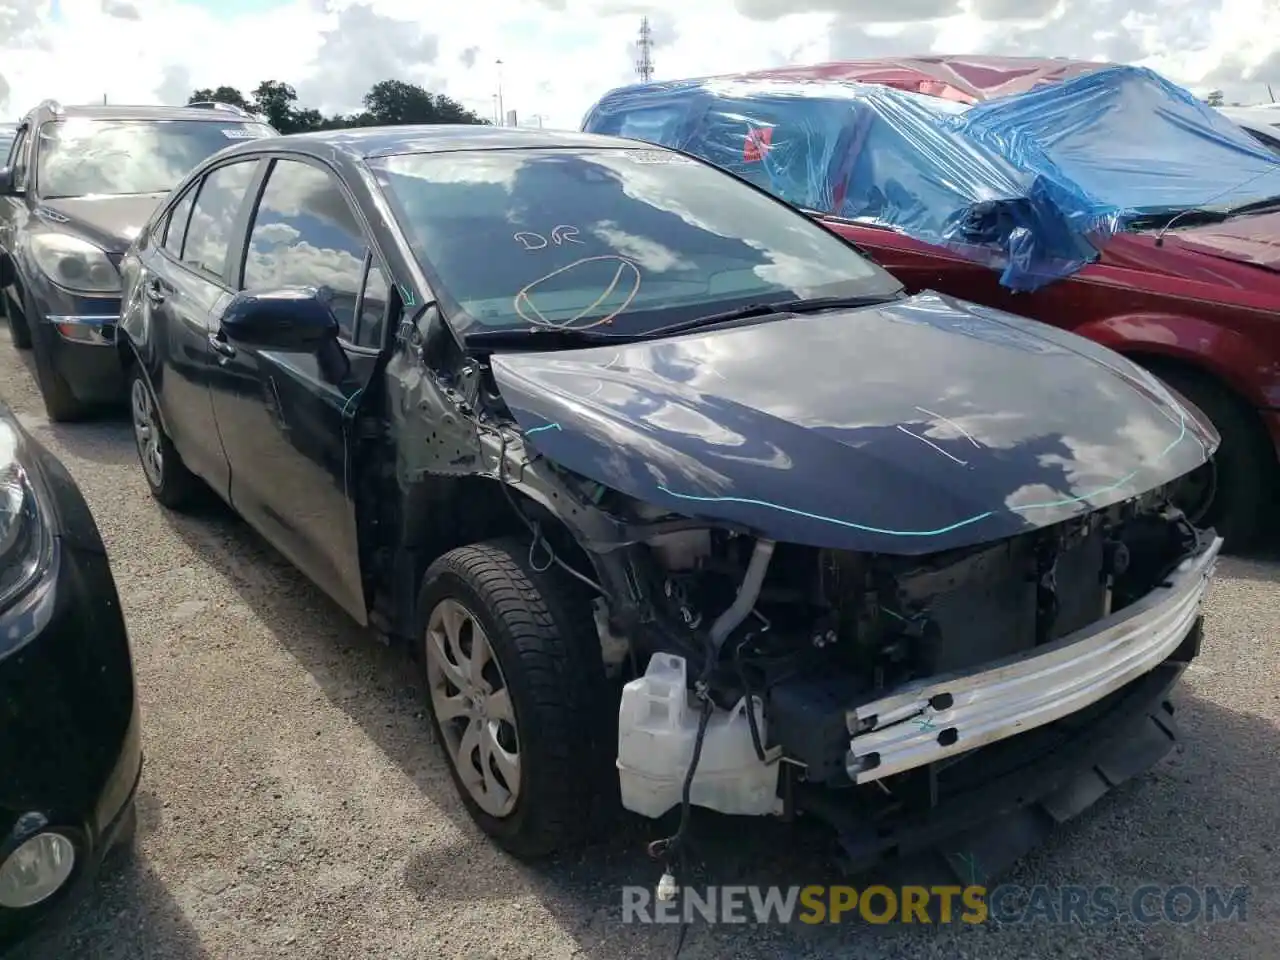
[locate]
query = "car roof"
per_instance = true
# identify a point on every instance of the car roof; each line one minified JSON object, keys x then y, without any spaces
{"x":966,"y":79}
{"x":99,"y":111}
{"x":369,"y":142}
{"x":1265,"y":115}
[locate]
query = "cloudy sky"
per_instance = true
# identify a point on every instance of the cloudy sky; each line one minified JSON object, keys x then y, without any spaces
{"x":560,"y":55}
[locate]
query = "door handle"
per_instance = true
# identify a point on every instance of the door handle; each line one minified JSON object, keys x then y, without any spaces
{"x":220,"y":346}
{"x":154,"y":293}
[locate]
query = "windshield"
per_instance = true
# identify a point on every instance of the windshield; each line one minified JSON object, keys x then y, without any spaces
{"x":615,"y":240}
{"x":1268,"y":139}
{"x":81,"y":157}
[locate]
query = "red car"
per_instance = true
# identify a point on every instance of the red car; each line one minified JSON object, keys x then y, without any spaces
{"x":1200,"y":307}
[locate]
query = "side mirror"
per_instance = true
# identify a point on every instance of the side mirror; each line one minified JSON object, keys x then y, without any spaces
{"x":6,"y":182}
{"x":292,"y":318}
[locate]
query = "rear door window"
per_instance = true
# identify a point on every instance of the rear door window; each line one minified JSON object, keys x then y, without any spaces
{"x":18,"y":160}
{"x":175,"y":226}
{"x":213,"y":218}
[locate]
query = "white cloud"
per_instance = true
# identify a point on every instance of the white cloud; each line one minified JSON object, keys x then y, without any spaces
{"x":560,"y":55}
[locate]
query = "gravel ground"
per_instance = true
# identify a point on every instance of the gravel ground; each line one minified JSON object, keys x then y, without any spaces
{"x":293,"y":803}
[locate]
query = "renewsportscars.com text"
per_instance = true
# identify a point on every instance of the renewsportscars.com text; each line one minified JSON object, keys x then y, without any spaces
{"x":1006,"y":904}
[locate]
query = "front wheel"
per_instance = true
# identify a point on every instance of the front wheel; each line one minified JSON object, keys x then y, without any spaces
{"x":60,"y":401}
{"x":1231,"y":493}
{"x":518,"y":696}
{"x":18,"y":329}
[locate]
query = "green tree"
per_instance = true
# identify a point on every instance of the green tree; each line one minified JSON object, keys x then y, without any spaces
{"x":394,"y":101}
{"x":222,"y":95}
{"x":275,"y":101}
{"x":1215,"y":98}
{"x":388,"y":102}
{"x":451,"y":111}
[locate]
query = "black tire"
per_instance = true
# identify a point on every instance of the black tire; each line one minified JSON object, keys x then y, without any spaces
{"x":1239,"y":503}
{"x":18,"y":329}
{"x":60,"y":402}
{"x":173,"y":484}
{"x":124,"y":840}
{"x":542,"y":633}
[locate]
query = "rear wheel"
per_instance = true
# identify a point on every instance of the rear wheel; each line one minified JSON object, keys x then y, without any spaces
{"x":1231,"y":493}
{"x":168,"y":477}
{"x":518,"y":696}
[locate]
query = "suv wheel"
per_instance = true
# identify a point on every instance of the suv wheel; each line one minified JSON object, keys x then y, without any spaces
{"x":168,"y":477}
{"x":518,"y":696}
{"x":60,"y":403}
{"x":18,"y":328}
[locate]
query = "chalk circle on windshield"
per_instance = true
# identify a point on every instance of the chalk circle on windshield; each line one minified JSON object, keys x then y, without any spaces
{"x":624,"y":284}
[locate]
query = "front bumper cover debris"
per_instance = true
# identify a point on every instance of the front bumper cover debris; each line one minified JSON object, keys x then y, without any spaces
{"x":930,"y":720}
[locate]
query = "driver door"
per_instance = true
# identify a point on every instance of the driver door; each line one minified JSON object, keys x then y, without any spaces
{"x":286,"y":416}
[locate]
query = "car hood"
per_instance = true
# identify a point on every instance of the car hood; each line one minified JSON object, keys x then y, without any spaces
{"x":110,"y":222}
{"x":1254,"y":240}
{"x":911,"y":427}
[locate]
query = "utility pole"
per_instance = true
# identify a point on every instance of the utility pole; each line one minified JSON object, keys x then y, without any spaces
{"x":502,"y":115}
{"x":497,"y":120}
{"x":644,"y":63}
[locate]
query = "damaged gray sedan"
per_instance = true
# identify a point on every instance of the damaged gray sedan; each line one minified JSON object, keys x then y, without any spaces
{"x":680,"y":499}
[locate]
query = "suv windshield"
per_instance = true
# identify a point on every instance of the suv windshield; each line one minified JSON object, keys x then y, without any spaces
{"x":79,"y":157}
{"x":617,"y":240}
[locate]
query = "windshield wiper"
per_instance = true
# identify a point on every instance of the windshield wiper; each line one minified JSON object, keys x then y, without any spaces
{"x":1254,"y":206}
{"x":1198,"y":216}
{"x":544,"y":337}
{"x":777,"y":308}
{"x":551,"y":337}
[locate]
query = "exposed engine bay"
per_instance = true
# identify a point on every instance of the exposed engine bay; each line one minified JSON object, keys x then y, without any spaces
{"x":830,"y":644}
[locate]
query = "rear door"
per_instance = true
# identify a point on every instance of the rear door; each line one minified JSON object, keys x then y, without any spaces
{"x":184,"y":288}
{"x":286,"y":416}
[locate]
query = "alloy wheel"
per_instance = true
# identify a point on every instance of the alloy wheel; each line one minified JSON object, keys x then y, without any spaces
{"x":472,"y":704}
{"x":146,"y":431}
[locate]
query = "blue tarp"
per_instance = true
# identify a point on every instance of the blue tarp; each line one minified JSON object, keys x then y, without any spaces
{"x":1032,"y":184}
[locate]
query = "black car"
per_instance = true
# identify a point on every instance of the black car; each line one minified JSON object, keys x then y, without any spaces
{"x":79,"y":183}
{"x":70,"y":748}
{"x":620,"y":444}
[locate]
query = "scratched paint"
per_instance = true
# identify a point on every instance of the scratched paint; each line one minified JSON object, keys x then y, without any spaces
{"x":952,"y":424}
{"x":968,"y":521}
{"x":929,"y":443}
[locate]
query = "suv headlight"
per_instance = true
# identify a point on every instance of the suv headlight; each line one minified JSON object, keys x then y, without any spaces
{"x":22,"y":531}
{"x":75,"y":264}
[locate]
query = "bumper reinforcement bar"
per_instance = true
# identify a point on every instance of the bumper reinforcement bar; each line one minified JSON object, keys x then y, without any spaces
{"x":939,"y":717}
